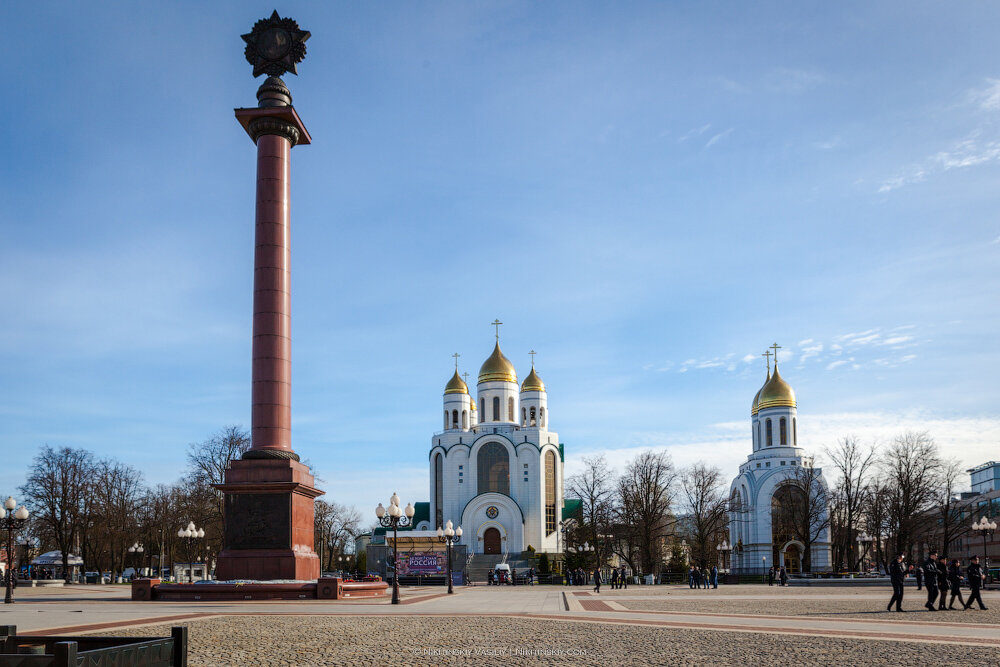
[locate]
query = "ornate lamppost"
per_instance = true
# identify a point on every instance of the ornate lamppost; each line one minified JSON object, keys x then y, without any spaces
{"x":136,"y":550}
{"x":986,"y":528}
{"x":395,"y":518}
{"x":723,"y":549}
{"x":863,"y":539}
{"x":449,"y":535}
{"x":12,"y":522}
{"x":763,"y":569}
{"x":189,"y":535}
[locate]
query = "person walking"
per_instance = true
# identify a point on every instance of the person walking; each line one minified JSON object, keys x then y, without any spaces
{"x":706,"y":576}
{"x":715,"y":577}
{"x":597,"y":580}
{"x":943,"y":582}
{"x":920,"y":576}
{"x":955,"y":582}
{"x":691,"y":576}
{"x":896,"y":576}
{"x":623,"y":582}
{"x":974,"y":573}
{"x":770,"y":576}
{"x":930,"y":580}
{"x":784,"y":576}
{"x":614,"y":578}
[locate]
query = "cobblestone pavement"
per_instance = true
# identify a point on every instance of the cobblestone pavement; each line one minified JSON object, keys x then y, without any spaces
{"x":860,"y":608}
{"x":418,"y":640}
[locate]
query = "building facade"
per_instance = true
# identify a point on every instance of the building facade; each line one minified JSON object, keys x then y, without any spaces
{"x":985,"y":477}
{"x":766,"y":498}
{"x":495,"y":467}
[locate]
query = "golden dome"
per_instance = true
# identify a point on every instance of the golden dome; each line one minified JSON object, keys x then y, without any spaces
{"x":456,"y":385}
{"x":776,"y":393}
{"x":473,"y":405}
{"x":497,"y":368}
{"x":533,"y":382}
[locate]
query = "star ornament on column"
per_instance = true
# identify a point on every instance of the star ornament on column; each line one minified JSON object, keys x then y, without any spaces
{"x":275,"y":45}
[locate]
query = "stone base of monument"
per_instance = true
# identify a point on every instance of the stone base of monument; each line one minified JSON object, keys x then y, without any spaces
{"x":332,"y":588}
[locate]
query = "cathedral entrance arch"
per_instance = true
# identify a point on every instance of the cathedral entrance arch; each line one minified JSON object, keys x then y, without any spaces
{"x":791,"y":557}
{"x":491,"y":541}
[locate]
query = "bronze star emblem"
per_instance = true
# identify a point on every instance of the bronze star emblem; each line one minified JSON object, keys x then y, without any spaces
{"x":275,"y":45}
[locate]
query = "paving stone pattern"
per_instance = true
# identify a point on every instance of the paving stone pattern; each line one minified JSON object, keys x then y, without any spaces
{"x":423,"y":640}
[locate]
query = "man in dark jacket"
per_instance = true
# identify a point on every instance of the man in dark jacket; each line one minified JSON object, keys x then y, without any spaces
{"x":597,"y":580}
{"x":976,"y":579}
{"x":943,"y":582}
{"x":896,"y":575}
{"x":955,"y":584}
{"x":931,"y":579}
{"x":919,"y":573}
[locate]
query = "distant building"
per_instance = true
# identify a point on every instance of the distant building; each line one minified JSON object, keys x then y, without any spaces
{"x":985,"y":477}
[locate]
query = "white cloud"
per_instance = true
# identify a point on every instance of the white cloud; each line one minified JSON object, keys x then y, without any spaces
{"x":718,"y":137}
{"x":836,"y":364}
{"x":696,"y":132}
{"x":988,"y":97}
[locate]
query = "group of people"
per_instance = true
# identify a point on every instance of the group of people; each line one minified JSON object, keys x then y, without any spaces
{"x":940,"y":578}
{"x":703,"y":578}
{"x":777,"y":573}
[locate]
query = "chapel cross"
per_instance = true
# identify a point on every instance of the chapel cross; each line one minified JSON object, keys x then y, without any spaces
{"x":466,"y":377}
{"x":532,"y":353}
{"x":768,"y":355}
{"x":497,"y":324}
{"x":775,"y":347}
{"x":456,"y":355}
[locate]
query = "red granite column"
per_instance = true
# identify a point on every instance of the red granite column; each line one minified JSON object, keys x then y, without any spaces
{"x":271,"y":414}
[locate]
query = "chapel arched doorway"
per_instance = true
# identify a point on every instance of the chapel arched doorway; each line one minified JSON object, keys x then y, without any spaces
{"x":491,"y":541}
{"x":793,"y":558}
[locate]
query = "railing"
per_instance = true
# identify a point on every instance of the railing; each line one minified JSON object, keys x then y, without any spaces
{"x":54,"y":651}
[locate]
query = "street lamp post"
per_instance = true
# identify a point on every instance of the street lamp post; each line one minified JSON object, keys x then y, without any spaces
{"x":189,"y":535}
{"x":12,"y":522}
{"x":763,"y":569}
{"x":986,"y":528}
{"x":863,"y":539}
{"x":395,"y":518}
{"x":449,"y":535}
{"x":136,"y":550}
{"x":723,"y":549}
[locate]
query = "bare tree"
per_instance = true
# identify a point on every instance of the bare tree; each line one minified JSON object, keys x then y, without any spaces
{"x":118,"y":491}
{"x":949,"y":508}
{"x":594,"y":486}
{"x":208,"y":461}
{"x":854,"y":464}
{"x":55,"y":490}
{"x":645,"y":501}
{"x":802,"y":509}
{"x":910,"y":469}
{"x":703,"y":501}
{"x":336,"y":526}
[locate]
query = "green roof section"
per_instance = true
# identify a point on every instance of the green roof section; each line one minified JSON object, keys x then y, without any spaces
{"x":572,"y":508}
{"x":562,"y":453}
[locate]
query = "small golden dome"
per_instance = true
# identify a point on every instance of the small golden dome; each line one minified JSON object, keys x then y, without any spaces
{"x":776,"y":393}
{"x":756,"y":399}
{"x":533,"y":382}
{"x":473,"y":404}
{"x":456,"y":385}
{"x":497,"y":368}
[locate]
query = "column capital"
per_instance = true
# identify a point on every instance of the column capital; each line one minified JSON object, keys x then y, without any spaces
{"x":282,"y":121}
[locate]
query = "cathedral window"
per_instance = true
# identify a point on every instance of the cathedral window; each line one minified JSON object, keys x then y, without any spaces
{"x":550,"y":492}
{"x":524,"y":417}
{"x":496,"y":408}
{"x":454,"y":418}
{"x":767,"y":427}
{"x":532,"y":421}
{"x":783,"y":430}
{"x":465,"y":419}
{"x":439,"y":490}
{"x":482,"y":407}
{"x":541,"y":417}
{"x":494,"y":469}
{"x":510,"y":408}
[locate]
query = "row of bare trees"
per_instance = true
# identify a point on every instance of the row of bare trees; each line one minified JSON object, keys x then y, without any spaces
{"x":634,"y":515}
{"x":98,"y":508}
{"x":904,"y":495}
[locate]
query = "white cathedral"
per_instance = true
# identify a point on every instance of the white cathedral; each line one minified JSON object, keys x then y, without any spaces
{"x":767,"y":479}
{"x":496,"y":468}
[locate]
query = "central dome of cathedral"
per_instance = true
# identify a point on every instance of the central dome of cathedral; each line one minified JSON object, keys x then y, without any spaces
{"x":497,"y":368}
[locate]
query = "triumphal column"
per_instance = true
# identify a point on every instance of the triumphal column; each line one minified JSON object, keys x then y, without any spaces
{"x":269,"y":494}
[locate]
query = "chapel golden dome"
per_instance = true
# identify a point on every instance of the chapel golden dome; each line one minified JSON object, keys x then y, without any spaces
{"x":533,"y":382}
{"x":497,"y":368}
{"x":776,"y":393}
{"x":456,"y":385}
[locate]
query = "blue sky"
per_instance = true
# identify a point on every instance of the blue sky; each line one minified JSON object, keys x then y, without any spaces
{"x":646,"y":194}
